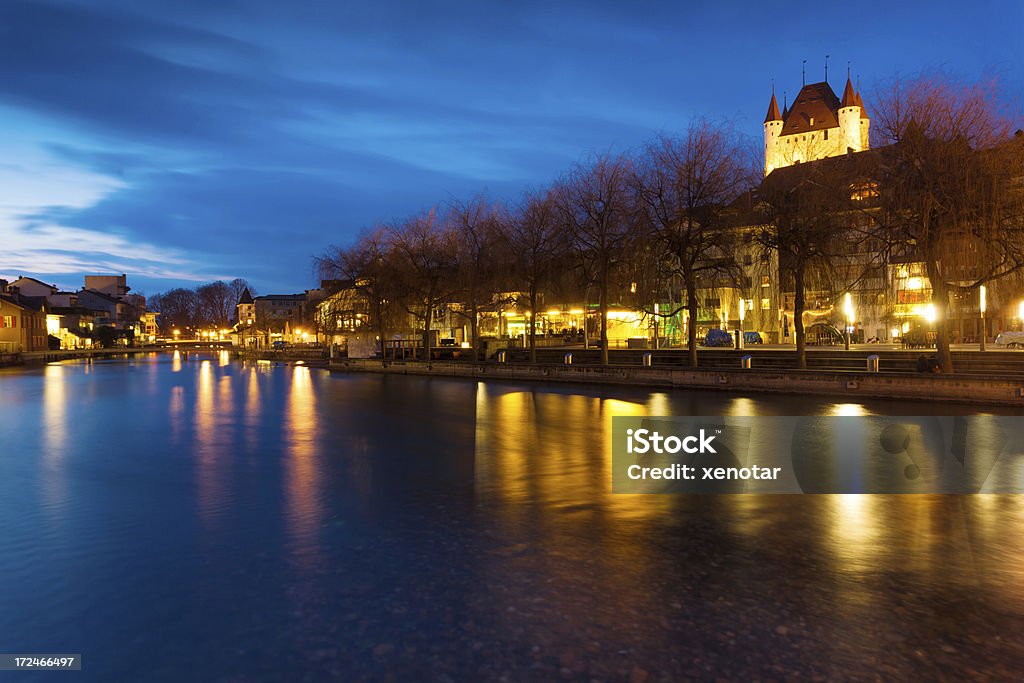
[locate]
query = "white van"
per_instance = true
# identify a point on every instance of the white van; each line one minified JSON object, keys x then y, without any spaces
{"x":1011,"y":340}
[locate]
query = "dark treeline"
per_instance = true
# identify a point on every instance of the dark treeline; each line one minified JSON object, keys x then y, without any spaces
{"x":210,"y":305}
{"x":942,"y":186}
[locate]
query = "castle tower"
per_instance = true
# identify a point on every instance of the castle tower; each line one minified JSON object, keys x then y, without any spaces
{"x":772,"y":130}
{"x":865,"y":124}
{"x":849,"y":119}
{"x":818,"y":125}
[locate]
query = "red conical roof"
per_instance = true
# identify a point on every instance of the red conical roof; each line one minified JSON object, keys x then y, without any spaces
{"x":849,"y":95}
{"x":773,"y":111}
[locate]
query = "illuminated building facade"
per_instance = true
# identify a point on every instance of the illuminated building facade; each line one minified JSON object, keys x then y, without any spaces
{"x":817,"y":126}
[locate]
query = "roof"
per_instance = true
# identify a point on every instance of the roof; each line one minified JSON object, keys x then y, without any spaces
{"x":849,"y":95}
{"x":283,"y":297}
{"x":773,"y":110}
{"x":816,"y":102}
{"x":853,"y":167}
{"x":863,"y":109}
{"x":37,"y":281}
{"x":100,"y":294}
{"x":246,"y":297}
{"x":26,"y":303}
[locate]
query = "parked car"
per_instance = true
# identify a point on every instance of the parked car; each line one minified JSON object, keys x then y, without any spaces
{"x":1011,"y":340}
{"x":718,"y":338}
{"x":752,"y":338}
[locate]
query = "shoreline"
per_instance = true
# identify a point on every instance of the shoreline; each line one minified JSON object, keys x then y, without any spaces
{"x":973,"y":389}
{"x":33,"y":358}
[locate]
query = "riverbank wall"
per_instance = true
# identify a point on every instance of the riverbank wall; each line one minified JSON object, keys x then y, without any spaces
{"x":310,"y":357}
{"x":848,"y":384}
{"x":42,"y":357}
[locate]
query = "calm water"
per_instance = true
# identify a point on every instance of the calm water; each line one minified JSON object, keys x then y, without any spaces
{"x":204,"y":519}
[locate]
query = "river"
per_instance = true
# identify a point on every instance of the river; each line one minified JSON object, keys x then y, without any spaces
{"x":200,"y":518}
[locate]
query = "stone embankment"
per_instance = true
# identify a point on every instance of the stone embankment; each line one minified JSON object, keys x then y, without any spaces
{"x":851,"y":384}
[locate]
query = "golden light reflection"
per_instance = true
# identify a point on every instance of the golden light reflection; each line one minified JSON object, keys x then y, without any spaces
{"x":659,"y":405}
{"x":55,"y":437}
{"x":302,"y":476}
{"x":554,"y":449}
{"x":176,"y":361}
{"x":251,"y":421}
{"x":741,"y":407}
{"x":224,"y":357}
{"x":54,"y":421}
{"x":848,"y":409}
{"x":209,"y":476}
{"x":852,"y":537}
{"x":177,"y":410}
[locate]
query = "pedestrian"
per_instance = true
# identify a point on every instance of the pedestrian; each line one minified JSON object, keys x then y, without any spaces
{"x":933,"y":366}
{"x":922,"y":363}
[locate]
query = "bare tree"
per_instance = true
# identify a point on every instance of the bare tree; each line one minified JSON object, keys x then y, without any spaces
{"x":475,"y":231}
{"x":535,"y":242}
{"x":949,"y":187}
{"x":684,"y":186}
{"x":368,"y":267}
{"x":238,"y":286}
{"x":425,"y":269}
{"x":177,"y":308}
{"x":216,"y":303}
{"x":594,"y":202}
{"x":806,"y":215}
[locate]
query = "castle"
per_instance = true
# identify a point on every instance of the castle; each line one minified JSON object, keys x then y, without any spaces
{"x":818,"y":125}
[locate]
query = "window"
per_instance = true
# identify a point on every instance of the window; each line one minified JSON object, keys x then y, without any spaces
{"x":747,"y":259}
{"x":712,"y":303}
{"x":765,"y":282}
{"x":8,"y":321}
{"x":766,"y":304}
{"x":826,"y":133}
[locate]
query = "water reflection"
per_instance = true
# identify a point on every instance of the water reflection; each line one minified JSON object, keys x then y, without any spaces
{"x":458,"y":525}
{"x":54,"y":429}
{"x":210,"y":460}
{"x":301,"y":466}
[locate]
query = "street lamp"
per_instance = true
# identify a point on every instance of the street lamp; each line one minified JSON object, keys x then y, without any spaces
{"x":743,"y":310}
{"x":848,"y":311}
{"x":1020,"y":315}
{"x":981,"y":293}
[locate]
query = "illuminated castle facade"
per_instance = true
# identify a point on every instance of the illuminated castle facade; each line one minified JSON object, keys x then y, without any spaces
{"x":818,"y":125}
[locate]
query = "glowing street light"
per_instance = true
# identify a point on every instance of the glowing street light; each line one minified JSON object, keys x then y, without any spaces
{"x":739,"y":333}
{"x":848,"y":311}
{"x":981,"y":304}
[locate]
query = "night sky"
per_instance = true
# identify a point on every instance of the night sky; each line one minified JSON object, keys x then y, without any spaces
{"x":192,"y":140}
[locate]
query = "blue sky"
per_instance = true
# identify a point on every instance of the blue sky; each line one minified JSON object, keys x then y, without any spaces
{"x":185,"y":141}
